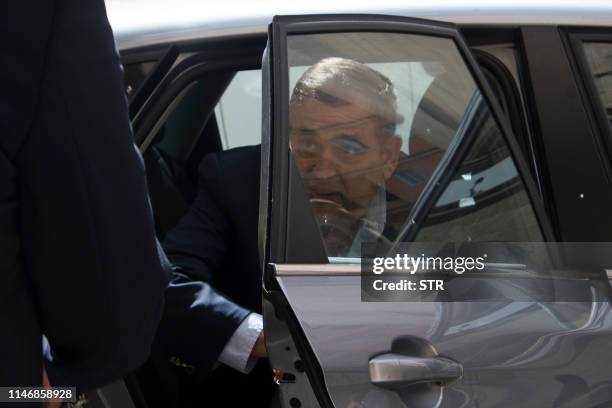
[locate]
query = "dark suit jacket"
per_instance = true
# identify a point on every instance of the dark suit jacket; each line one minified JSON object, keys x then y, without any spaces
{"x":79,"y":261}
{"x":217,"y":274}
{"x":215,"y":245}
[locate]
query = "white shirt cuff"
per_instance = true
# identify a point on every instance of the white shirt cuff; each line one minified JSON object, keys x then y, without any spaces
{"x":238,"y":350}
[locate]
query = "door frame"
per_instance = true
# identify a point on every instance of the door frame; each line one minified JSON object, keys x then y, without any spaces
{"x":278,"y":177}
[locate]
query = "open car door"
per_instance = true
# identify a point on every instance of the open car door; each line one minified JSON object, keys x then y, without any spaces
{"x":381,"y":129}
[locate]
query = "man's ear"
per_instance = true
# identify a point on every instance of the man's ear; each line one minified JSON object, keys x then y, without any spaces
{"x":391,"y":149}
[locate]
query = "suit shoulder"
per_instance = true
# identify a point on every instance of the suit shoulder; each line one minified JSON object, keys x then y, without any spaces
{"x":244,"y":157}
{"x":243,"y":154}
{"x":240,"y":161}
{"x":223,"y":171}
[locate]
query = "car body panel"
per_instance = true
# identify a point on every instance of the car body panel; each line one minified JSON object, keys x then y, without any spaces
{"x":504,"y":348}
{"x":147,"y":23}
{"x":513,"y":353}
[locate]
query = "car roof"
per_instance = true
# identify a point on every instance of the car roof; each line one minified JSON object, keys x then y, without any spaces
{"x":139,"y":23}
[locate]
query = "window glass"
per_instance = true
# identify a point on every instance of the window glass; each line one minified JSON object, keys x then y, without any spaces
{"x":599,"y":57}
{"x":135,"y":74}
{"x":370,"y":117}
{"x":171,"y":189}
{"x":184,"y":121}
{"x":238,"y":112}
{"x":175,"y":135}
{"x":408,"y":92}
{"x":485,"y":199}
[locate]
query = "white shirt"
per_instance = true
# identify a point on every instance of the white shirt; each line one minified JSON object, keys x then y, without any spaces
{"x":239,"y":349}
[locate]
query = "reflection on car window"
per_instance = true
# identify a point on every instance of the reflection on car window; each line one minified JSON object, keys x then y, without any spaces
{"x":370,"y":118}
{"x":599,"y":57}
{"x":135,"y":74}
{"x":485,"y":200}
{"x":238,"y":112}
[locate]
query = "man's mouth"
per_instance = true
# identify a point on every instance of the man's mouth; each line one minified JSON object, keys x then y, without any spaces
{"x":337,"y":198}
{"x":330,"y":196}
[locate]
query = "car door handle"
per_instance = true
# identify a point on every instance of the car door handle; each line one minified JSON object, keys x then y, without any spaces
{"x":396,"y":370}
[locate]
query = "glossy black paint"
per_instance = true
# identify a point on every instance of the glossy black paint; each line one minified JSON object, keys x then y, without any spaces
{"x":569,"y":150}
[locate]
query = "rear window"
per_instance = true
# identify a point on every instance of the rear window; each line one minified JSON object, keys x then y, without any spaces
{"x":238,"y":112}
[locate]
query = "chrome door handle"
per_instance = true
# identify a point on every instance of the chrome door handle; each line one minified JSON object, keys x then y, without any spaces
{"x":396,"y":370}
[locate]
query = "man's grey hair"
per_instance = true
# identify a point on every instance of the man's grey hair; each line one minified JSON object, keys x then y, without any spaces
{"x":340,"y":81}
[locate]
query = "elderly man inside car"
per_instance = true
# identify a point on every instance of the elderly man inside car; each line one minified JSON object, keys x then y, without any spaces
{"x":342,"y":135}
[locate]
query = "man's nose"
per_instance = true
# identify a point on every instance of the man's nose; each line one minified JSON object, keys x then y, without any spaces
{"x":326,"y":166}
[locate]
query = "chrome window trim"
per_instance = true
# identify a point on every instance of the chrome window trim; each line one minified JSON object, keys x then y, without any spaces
{"x":317,"y":269}
{"x":505,"y":270}
{"x":354,"y":269}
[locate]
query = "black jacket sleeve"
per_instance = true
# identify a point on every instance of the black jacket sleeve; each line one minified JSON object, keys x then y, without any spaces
{"x":96,"y":271}
{"x":198,"y":320}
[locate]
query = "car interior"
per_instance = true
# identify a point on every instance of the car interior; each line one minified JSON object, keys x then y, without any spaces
{"x":186,"y":122}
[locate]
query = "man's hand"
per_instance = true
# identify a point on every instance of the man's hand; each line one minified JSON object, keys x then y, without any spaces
{"x":47,"y":384}
{"x":259,"y":350}
{"x":45,"y":379}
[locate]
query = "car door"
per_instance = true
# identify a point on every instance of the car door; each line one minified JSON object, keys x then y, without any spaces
{"x":447,"y":170}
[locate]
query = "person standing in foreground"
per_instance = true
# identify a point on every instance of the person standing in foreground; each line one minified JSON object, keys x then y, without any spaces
{"x":80,"y":263}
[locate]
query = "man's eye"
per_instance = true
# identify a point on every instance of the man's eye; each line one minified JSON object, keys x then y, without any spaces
{"x":349,"y":144}
{"x":310,"y":145}
{"x":305,"y":146}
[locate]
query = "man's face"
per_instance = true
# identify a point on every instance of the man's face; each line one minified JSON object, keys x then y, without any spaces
{"x":341,"y":152}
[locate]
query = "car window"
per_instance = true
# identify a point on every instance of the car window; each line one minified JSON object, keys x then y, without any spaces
{"x":599,"y":58}
{"x":183,"y":123}
{"x":182,"y":135}
{"x":134,"y":75}
{"x":238,"y":112}
{"x":171,"y":188}
{"x":369,"y":122}
{"x":485,"y":200}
